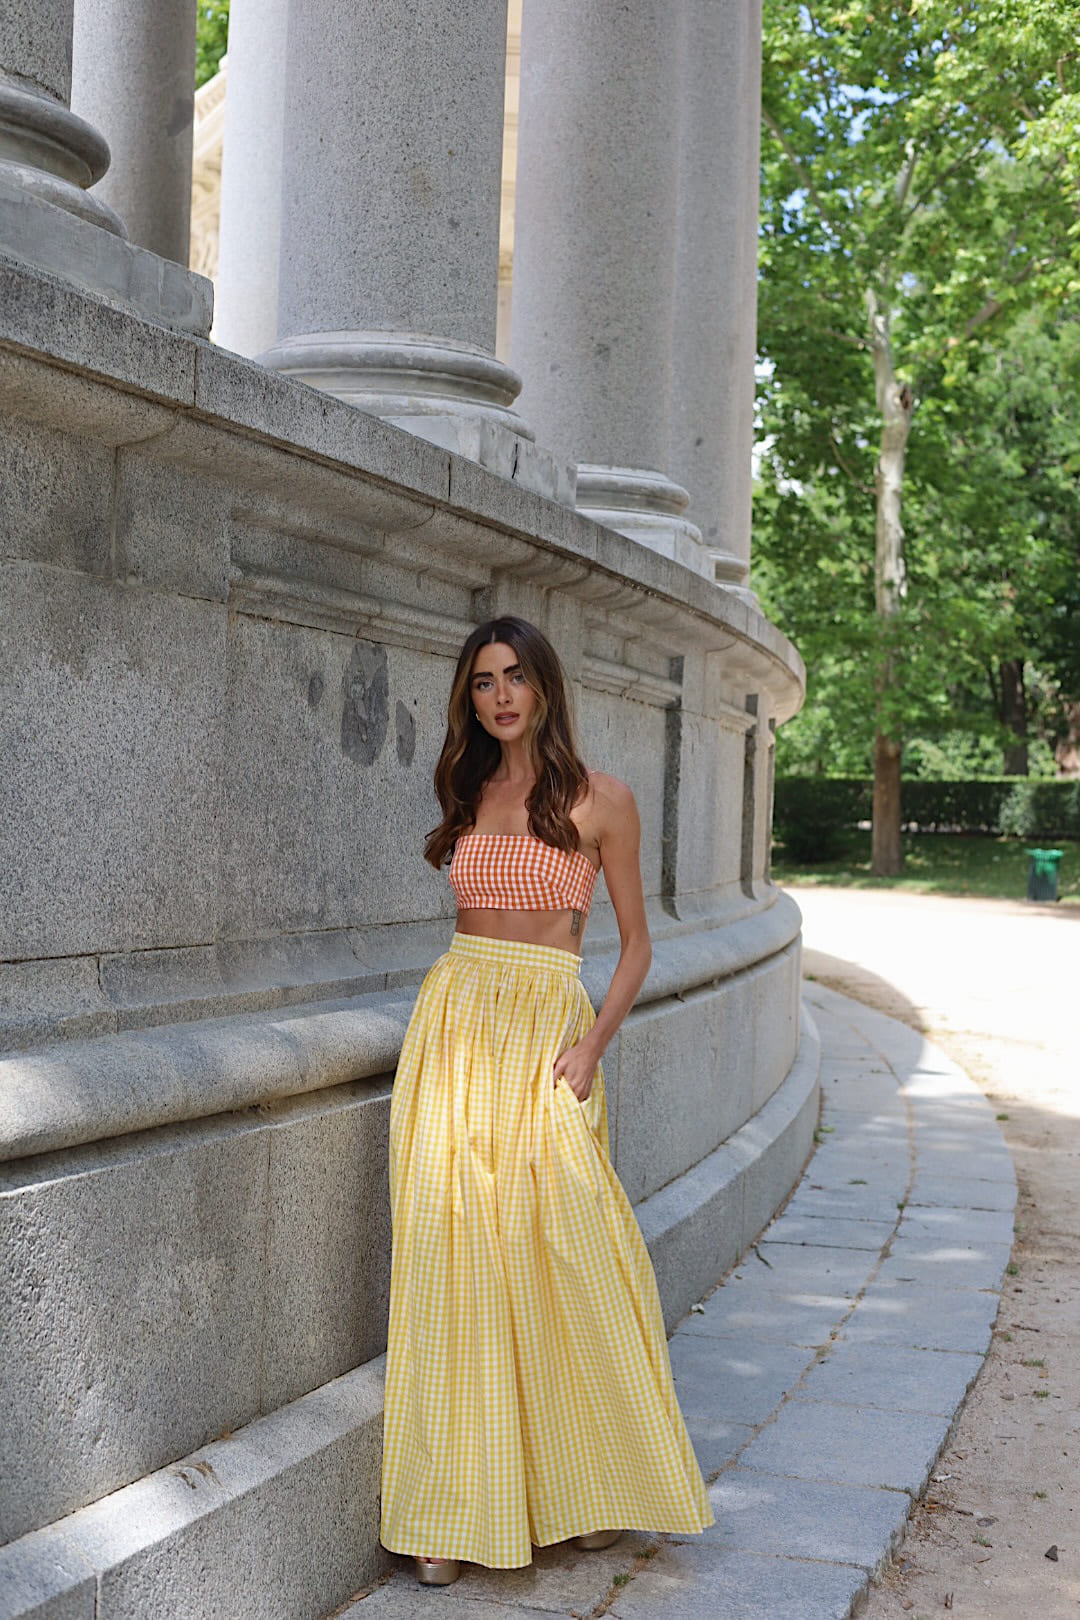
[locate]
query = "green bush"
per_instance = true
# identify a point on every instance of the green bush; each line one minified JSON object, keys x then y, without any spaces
{"x":1041,"y":809}
{"x":812,"y":813}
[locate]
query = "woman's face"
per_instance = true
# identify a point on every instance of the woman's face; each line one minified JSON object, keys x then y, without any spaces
{"x":504,"y":701}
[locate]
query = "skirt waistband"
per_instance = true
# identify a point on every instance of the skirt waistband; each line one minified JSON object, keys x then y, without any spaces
{"x":512,"y":953}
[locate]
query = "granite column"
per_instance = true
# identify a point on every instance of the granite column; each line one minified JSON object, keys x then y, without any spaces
{"x":388,"y":275}
{"x":246,"y":313}
{"x":46,"y":150}
{"x":133,"y":77}
{"x":591,"y":329}
{"x":715,"y":325}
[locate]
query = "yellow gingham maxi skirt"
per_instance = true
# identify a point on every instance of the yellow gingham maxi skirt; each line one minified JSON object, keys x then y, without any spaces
{"x":528,"y":1387}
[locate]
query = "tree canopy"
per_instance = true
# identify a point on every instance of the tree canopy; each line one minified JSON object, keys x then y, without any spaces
{"x":916,"y":522}
{"x":211,"y":38}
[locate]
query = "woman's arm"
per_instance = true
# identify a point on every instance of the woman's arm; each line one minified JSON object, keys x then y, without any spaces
{"x":619,"y":837}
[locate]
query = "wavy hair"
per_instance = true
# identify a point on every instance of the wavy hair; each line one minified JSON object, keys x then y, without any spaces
{"x":470,"y":754}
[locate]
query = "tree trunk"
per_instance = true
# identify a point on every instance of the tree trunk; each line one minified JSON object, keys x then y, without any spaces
{"x":1067,"y":752}
{"x":887,"y":853}
{"x":1014,"y":716}
{"x":895,"y":403}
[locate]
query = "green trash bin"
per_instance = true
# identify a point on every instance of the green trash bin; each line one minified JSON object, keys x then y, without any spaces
{"x":1043,"y":873}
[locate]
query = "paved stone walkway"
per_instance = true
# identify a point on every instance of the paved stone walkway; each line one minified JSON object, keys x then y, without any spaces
{"x":820,"y":1380}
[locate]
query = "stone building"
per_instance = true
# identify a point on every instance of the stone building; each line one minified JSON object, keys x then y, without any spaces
{"x":233,"y":584}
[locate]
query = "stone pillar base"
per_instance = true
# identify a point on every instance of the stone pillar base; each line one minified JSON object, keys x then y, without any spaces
{"x":646,"y":506}
{"x":452,"y":394}
{"x":96,"y":259}
{"x":734,"y":574}
{"x":51,"y":153}
{"x":499,"y":449}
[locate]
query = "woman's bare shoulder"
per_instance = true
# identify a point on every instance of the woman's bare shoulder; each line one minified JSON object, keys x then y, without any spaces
{"x":611,"y":799}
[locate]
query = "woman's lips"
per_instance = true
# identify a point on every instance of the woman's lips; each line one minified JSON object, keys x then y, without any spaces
{"x":505,"y":719}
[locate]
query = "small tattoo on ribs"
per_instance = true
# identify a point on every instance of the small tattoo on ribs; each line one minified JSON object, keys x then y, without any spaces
{"x":575,"y":923}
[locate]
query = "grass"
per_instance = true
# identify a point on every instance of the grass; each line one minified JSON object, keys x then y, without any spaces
{"x":940,"y":863}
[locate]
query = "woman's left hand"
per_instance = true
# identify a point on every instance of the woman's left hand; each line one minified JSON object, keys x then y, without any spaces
{"x":577,"y":1066}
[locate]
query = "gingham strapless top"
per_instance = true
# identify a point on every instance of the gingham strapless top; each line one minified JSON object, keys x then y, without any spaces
{"x":517,"y":872}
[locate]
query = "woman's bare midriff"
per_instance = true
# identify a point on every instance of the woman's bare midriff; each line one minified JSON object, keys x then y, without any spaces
{"x":526,"y":927}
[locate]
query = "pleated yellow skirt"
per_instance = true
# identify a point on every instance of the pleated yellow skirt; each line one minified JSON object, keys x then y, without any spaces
{"x":528,"y":1386}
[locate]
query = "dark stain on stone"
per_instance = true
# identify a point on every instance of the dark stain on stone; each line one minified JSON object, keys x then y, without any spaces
{"x":181,"y":116}
{"x":315,"y":690}
{"x":365,"y":711}
{"x":406,"y":734}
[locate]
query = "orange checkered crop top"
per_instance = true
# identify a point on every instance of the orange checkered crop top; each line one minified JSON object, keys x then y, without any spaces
{"x":517,"y":872}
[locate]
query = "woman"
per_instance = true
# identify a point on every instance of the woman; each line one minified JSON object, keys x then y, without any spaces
{"x":528,"y":1388}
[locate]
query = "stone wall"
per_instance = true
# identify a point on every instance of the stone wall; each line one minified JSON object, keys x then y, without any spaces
{"x":231,"y":606}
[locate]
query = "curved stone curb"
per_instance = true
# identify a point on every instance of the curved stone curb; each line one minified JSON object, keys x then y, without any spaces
{"x":70,"y":1092}
{"x":821,"y":1379}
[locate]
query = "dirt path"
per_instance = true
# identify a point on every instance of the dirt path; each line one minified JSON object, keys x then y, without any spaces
{"x":998,"y":985}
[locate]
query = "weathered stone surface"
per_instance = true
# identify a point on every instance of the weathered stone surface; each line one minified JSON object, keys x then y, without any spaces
{"x":112,"y":713}
{"x":697,"y":1583}
{"x":328,"y":1242}
{"x":706,"y":1217}
{"x":692,"y":1228}
{"x":679,"y":1094}
{"x":79,"y":1092}
{"x":710,"y":802}
{"x":716,"y":1441}
{"x":941,"y":1265}
{"x":740,"y":1380}
{"x":171,"y":528}
{"x":960,"y":1228}
{"x":856,"y":1198}
{"x":51,"y":318}
{"x":788,"y":1265}
{"x":850,"y":1444}
{"x":217,"y":1533}
{"x":39,"y":235}
{"x":41,"y":1000}
{"x":830,"y":1232}
{"x":399,"y":1601}
{"x":35,"y":44}
{"x":315,"y":847}
{"x":55,"y":498}
{"x":957,"y":1192}
{"x":795,"y":1518}
{"x":776,"y":1143}
{"x":885,"y":1375}
{"x":136,"y":1318}
{"x":774,"y":1016}
{"x":42,"y":1579}
{"x":906,"y":1315}
{"x":285,"y":412}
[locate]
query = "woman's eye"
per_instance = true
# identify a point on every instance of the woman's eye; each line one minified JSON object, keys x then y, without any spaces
{"x":518,"y":679}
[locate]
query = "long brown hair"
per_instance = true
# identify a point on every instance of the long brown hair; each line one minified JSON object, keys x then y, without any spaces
{"x":470,"y":754}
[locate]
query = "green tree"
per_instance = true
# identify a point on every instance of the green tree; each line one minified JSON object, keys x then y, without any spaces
{"x":211,"y":38}
{"x":919,"y":190}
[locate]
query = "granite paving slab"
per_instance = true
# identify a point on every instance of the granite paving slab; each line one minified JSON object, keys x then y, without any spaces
{"x":905,"y":1378}
{"x":806,"y":1518}
{"x":708,"y":1582}
{"x":820,"y":1378}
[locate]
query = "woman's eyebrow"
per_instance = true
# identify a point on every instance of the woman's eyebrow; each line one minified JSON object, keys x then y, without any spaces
{"x":485,"y":674}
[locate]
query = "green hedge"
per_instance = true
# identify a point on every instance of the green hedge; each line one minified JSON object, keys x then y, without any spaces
{"x":811,"y":813}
